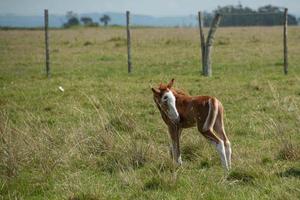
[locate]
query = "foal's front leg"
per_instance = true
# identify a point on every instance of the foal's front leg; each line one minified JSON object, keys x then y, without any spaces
{"x":175,"y":133}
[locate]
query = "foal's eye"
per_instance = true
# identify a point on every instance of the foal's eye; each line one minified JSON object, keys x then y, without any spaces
{"x":165,"y":97}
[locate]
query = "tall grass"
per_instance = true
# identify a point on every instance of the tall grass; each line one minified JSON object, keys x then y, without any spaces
{"x":103,"y":137}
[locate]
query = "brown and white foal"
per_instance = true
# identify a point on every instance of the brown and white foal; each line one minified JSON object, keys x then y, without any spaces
{"x":179,"y":111}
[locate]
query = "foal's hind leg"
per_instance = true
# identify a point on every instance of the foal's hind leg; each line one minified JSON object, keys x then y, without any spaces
{"x":207,"y":130}
{"x":219,"y":146}
{"x":220,"y":131}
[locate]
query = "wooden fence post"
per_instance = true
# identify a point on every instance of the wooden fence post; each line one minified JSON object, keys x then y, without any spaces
{"x":202,"y":39}
{"x":209,"y":43}
{"x":47,"y":43}
{"x":285,"y":46}
{"x":128,"y":42}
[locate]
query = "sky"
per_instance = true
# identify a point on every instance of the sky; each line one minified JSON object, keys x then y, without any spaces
{"x":146,"y":7}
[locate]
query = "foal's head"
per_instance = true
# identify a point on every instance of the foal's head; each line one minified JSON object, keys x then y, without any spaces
{"x":158,"y":93}
{"x":163,"y":94}
{"x":166,"y":101}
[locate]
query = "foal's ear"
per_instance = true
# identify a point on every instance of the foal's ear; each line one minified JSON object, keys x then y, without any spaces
{"x":170,"y":84}
{"x":155,"y":91}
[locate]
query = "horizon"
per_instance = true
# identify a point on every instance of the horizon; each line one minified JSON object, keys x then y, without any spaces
{"x":174,"y":7}
{"x":112,"y":12}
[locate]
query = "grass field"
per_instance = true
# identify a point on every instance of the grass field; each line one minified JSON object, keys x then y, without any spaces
{"x":103,"y":137}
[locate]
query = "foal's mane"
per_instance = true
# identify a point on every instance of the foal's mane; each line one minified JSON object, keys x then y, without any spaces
{"x":180,"y":92}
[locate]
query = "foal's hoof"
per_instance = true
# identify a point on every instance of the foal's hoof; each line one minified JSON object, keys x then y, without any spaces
{"x":179,"y":161}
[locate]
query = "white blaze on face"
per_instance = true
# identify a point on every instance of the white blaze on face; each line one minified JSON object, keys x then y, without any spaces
{"x":170,"y":99}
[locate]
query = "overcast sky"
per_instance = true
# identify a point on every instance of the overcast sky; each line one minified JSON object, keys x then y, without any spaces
{"x":147,"y":7}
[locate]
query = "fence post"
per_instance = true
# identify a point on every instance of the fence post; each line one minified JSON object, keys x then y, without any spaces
{"x":202,"y":39}
{"x":285,"y":46}
{"x":209,"y":43}
{"x":47,"y":43}
{"x":128,"y":42}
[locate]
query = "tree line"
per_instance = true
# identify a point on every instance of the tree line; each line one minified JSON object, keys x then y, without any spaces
{"x":237,"y":15}
{"x":73,"y":20}
{"x":244,"y":16}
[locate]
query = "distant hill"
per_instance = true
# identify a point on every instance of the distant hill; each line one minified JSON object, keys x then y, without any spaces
{"x":30,"y":21}
{"x":116,"y":19}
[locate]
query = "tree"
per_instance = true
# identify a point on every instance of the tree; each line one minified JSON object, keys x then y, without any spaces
{"x":87,"y":21}
{"x":105,"y":19}
{"x":269,"y":9}
{"x":243,"y":16}
{"x":72,"y":19}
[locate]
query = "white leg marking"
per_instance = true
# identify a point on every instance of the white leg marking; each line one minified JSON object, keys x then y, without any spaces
{"x":212,"y":112}
{"x":221,"y":149}
{"x":228,"y":153}
{"x":179,"y":161}
{"x":227,"y":148}
{"x":176,"y":155}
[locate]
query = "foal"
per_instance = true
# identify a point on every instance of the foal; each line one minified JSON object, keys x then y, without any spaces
{"x":179,"y":111}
